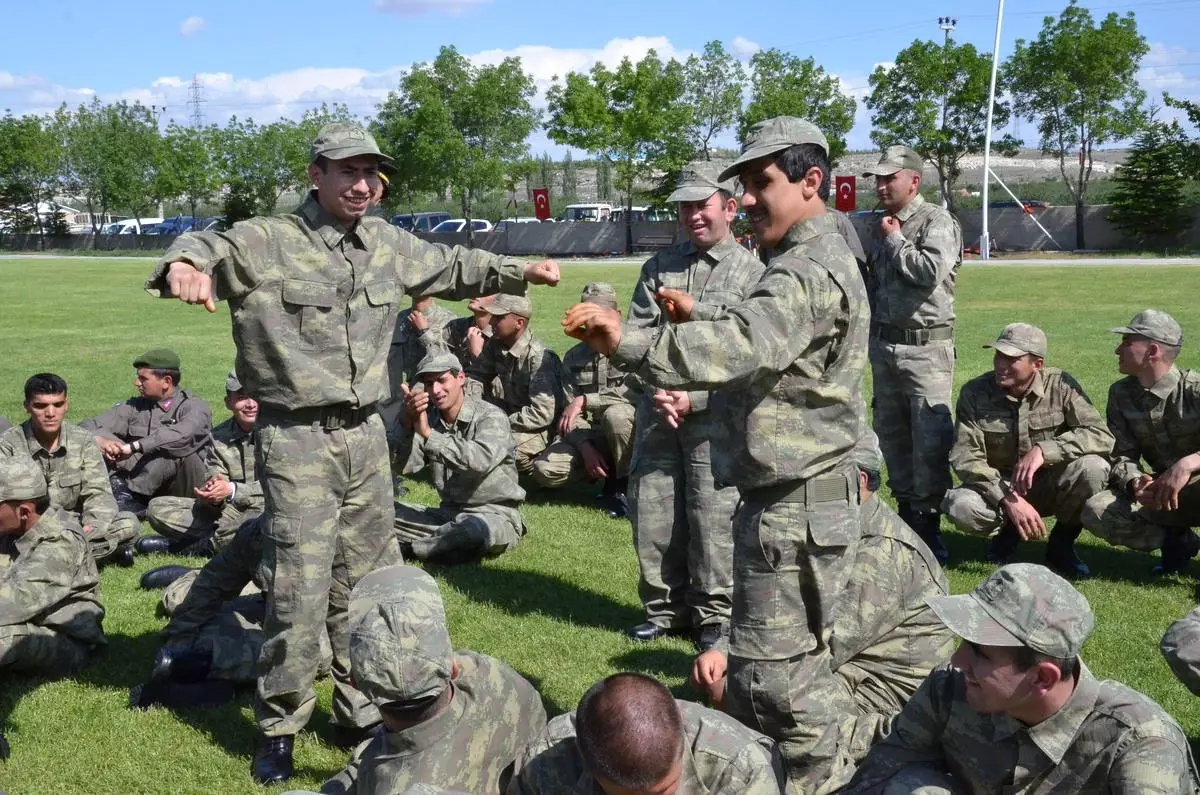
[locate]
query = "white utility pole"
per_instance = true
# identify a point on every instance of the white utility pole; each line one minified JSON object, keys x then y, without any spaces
{"x":984,"y":241}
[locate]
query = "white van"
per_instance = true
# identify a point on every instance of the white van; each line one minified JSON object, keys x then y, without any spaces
{"x":130,"y":226}
{"x":587,"y":212}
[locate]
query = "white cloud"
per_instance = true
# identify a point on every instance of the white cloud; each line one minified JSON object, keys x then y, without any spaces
{"x":1175,"y":70}
{"x":743,"y":48}
{"x":419,"y":7}
{"x":191,"y":26}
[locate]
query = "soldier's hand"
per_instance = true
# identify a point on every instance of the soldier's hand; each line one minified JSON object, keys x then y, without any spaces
{"x":110,"y":448}
{"x":1168,"y":485}
{"x":1026,"y":469}
{"x":889,"y":224}
{"x":475,"y":340}
{"x":708,"y":675}
{"x":571,"y":413}
{"x":418,"y":320}
{"x":1025,"y":517}
{"x":1144,"y":491}
{"x":593,"y":463}
{"x":596,"y":325}
{"x":677,"y":304}
{"x":215,"y":491}
{"x":190,"y":285}
{"x":544,"y":272}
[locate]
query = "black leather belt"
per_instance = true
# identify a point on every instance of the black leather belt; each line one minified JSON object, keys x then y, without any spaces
{"x":832,"y":487}
{"x":912,"y":336}
{"x":329,"y":418}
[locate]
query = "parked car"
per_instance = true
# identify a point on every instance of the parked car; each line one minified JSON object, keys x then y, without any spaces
{"x":419,"y":222}
{"x":215,"y":224}
{"x":130,"y":226}
{"x":176,"y":226}
{"x":504,"y":223}
{"x":587,"y":212}
{"x":460,"y":224}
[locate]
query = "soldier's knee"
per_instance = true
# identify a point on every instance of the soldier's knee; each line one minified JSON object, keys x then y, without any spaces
{"x":1089,"y":473}
{"x":967,"y":510}
{"x":1095,"y":508}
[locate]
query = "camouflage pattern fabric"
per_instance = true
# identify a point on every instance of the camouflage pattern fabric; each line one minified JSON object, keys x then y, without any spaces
{"x":1060,"y":490}
{"x":454,"y":338}
{"x":1159,"y":426}
{"x":410,"y":344}
{"x":682,"y":523}
{"x":1106,"y":738}
{"x":50,"y":613}
{"x":1180,"y":647}
{"x":720,"y":757}
{"x":78,"y":483}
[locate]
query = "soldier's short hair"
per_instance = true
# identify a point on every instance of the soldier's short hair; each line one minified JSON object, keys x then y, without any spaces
{"x":44,"y":384}
{"x":1027,"y":658}
{"x":629,"y":730}
{"x":176,"y":375}
{"x":796,"y":160}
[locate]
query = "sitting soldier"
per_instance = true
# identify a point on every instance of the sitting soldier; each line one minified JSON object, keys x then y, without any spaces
{"x":74,"y":469}
{"x":629,"y":735}
{"x":467,"y":445}
{"x":231,"y":495}
{"x":466,"y":336}
{"x":450,"y":719}
{"x":1180,"y":647}
{"x":595,"y":431}
{"x":1028,"y":443}
{"x":50,"y":616}
{"x":520,"y":375}
{"x":156,"y":443}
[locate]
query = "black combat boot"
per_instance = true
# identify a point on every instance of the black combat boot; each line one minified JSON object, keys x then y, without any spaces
{"x":1004,"y":545}
{"x":929,"y":528}
{"x":273,"y":759}
{"x":121,"y":556}
{"x":1060,"y":552}
{"x":1178,"y":549}
{"x":163,"y":576}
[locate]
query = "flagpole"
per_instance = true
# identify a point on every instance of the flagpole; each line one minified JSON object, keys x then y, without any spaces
{"x":984,"y":241}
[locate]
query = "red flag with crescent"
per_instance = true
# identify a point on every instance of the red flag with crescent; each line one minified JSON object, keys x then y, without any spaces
{"x":541,"y":203}
{"x":847,"y":194}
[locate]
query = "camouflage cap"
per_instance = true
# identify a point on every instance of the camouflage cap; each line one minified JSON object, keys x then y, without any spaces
{"x":1018,"y":339}
{"x":439,"y":362}
{"x":601,"y":293}
{"x":896,"y":158}
{"x":866,"y":453}
{"x":399,"y":648}
{"x":1021,"y":604}
{"x":775,"y":135}
{"x":232,"y":384}
{"x":509,"y":305}
{"x":21,"y":479}
{"x":1154,"y":324}
{"x":699,"y":180}
{"x":158,"y":359}
{"x":341,"y":140}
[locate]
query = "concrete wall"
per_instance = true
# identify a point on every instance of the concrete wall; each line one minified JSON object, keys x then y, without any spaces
{"x":1013,"y":230}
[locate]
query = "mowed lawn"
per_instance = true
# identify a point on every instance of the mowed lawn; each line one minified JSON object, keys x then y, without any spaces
{"x":554,"y":608}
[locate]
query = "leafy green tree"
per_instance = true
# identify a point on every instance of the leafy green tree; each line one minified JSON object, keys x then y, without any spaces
{"x":188,"y":165}
{"x":546,"y":172}
{"x":785,"y":85}
{"x":1148,"y":202}
{"x":30,"y":157}
{"x":629,"y":117}
{"x":713,"y":83}
{"x":907,"y":102}
{"x":570,"y":178}
{"x":453,"y":124}
{"x":1191,"y":148}
{"x":1078,"y":81}
{"x":246,"y":170}
{"x":603,"y":180}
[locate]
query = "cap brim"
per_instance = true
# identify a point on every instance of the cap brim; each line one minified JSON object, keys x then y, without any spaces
{"x":347,"y":152}
{"x":882,"y":169}
{"x":748,"y":156}
{"x":491,"y":309}
{"x":697,"y":194}
{"x":966,"y":617}
{"x":439,"y":370}
{"x":1009,"y":350}
{"x":1125,"y":330}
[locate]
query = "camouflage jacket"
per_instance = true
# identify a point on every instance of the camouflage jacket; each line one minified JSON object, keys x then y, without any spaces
{"x":314,"y":304}
{"x":1159,"y":425}
{"x":788,"y":360}
{"x":175,"y":427}
{"x":75,"y":471}
{"x":720,"y":757}
{"x":1107,"y":738}
{"x":524,"y":380}
{"x":223,"y":577}
{"x":233,"y":459}
{"x":470,"y":746}
{"x":913,"y":271}
{"x":717,"y":278}
{"x":995,"y":430}
{"x":587,"y":373}
{"x":48,"y":578}
{"x":470,"y":461}
{"x":410,"y":344}
{"x":454,"y":338}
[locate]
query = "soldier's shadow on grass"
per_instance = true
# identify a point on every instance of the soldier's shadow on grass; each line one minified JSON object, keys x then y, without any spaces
{"x":661,"y":662}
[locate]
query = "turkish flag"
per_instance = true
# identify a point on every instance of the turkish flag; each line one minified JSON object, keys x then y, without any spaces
{"x":847,"y":194}
{"x":541,"y":203}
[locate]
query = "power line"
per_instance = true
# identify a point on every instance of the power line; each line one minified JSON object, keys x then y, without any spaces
{"x":195,"y":100}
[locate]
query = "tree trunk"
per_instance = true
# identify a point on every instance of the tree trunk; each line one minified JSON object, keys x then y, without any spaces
{"x":466,"y":208}
{"x":629,"y":220}
{"x":1079,"y":241}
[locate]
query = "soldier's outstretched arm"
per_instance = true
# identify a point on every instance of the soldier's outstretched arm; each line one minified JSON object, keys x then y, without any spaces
{"x":201,"y":267}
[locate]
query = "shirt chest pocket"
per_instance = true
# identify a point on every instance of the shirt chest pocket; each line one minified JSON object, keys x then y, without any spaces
{"x":68,"y":485}
{"x":1045,"y":426}
{"x":382,"y":300}
{"x":309,"y":313}
{"x":719,"y":296}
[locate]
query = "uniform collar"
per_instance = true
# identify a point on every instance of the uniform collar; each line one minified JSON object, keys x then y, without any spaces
{"x":521,"y":346}
{"x":804,"y":231}
{"x":1164,"y":386}
{"x":910,"y":209}
{"x":715,"y":254}
{"x":1036,"y":390}
{"x":428,"y":734}
{"x":35,"y":447}
{"x":465,"y":414}
{"x":1055,"y":734}
{"x":323,"y":223}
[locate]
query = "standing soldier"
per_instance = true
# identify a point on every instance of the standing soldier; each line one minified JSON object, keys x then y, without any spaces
{"x":681,"y":518}
{"x":314,"y":296}
{"x":913,"y":262}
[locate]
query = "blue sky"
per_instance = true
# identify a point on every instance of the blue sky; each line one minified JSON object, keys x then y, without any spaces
{"x":268,"y":59}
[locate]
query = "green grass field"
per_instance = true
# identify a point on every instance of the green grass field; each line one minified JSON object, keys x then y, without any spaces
{"x":554,"y":607}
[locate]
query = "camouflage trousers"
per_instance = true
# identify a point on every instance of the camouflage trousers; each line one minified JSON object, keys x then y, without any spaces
{"x":103,"y":541}
{"x":912,"y":385}
{"x":682,"y":524}
{"x":922,"y":779}
{"x":190,"y":519}
{"x":327,"y":524}
{"x":1060,"y":490}
{"x":794,"y":550}
{"x":1115,"y":517}
{"x":562,"y":463}
{"x":34,"y":649}
{"x":1180,"y":647}
{"x":156,"y":474}
{"x":529,"y":447}
{"x":451,"y":534}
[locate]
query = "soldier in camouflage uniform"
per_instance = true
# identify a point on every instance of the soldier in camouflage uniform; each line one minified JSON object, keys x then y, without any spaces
{"x":788,"y":363}
{"x":465,"y":337}
{"x":468,"y":448}
{"x":521,"y":376}
{"x":913,"y":263}
{"x":49,"y":615}
{"x":1029,"y":443}
{"x":156,"y":443}
{"x":231,"y":495}
{"x":1017,"y":711}
{"x":418,"y":328}
{"x":596,"y":428}
{"x":452,"y":719}
{"x":681,"y":518}
{"x":1180,"y":647}
{"x":314,"y":297}
{"x":1154,"y":413}
{"x":630,"y":735}
{"x":74,"y":469}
